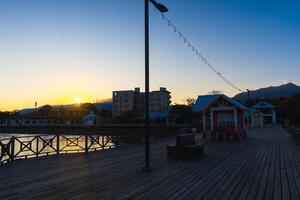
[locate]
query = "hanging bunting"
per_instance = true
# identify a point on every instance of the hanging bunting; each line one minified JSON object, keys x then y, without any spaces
{"x":175,"y":29}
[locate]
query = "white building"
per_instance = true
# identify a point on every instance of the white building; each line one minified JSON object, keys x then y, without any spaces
{"x":260,"y":114}
{"x":268,"y":111}
{"x":160,"y":100}
{"x":130,"y":100}
{"x":254,"y":118}
{"x":124,"y":101}
{"x":91,"y":119}
{"x":84,"y":119}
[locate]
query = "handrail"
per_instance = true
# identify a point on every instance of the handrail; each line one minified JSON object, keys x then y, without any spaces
{"x":293,"y":130}
{"x":86,"y":130}
{"x":34,"y":146}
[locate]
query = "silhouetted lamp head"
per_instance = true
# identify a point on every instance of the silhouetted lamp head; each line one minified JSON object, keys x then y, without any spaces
{"x":162,"y":8}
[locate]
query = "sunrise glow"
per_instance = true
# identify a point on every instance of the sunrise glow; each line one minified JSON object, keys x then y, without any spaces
{"x":78,"y":100}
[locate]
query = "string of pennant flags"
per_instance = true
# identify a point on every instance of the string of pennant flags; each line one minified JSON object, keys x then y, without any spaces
{"x":196,"y":51}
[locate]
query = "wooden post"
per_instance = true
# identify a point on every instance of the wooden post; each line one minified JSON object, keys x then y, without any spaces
{"x":211,"y":120}
{"x":117,"y":141}
{"x":57,"y":144}
{"x":204,"y":121}
{"x":37,"y":147}
{"x":235,"y":120}
{"x":12,"y":149}
{"x":86,"y":148}
{"x":248,"y":122}
{"x":273,"y":117}
{"x":102,"y":138}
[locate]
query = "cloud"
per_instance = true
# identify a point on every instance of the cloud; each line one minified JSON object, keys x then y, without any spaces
{"x":285,"y":81}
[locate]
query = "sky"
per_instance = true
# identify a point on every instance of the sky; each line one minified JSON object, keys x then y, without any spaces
{"x":61,"y":51}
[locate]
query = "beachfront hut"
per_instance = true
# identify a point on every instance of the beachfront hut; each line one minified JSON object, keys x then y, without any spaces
{"x":254,"y":118}
{"x":221,"y":114}
{"x":91,"y":119}
{"x":268,"y":111}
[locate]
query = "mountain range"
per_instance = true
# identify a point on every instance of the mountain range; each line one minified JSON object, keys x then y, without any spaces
{"x":103,"y":105}
{"x":272,"y":92}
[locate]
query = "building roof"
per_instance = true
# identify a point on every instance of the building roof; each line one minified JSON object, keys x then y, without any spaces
{"x":251,"y":111}
{"x":237,"y":103}
{"x":206,"y":100}
{"x":262,"y":105}
{"x":203,"y":102}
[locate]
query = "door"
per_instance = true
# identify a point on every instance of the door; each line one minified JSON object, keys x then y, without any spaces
{"x":256,"y":122}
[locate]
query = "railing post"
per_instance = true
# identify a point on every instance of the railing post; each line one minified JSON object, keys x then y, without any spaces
{"x":86,"y":148}
{"x":117,"y":141}
{"x":37,"y":146}
{"x":57,"y":144}
{"x":12,"y":148}
{"x":102,"y":142}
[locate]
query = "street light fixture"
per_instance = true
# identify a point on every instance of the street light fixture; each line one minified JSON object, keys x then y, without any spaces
{"x":162,"y":9}
{"x":248,"y":94}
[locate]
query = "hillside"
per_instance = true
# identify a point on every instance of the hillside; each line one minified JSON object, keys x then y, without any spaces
{"x":289,"y":108}
{"x":106,"y":105}
{"x":273,"y":92}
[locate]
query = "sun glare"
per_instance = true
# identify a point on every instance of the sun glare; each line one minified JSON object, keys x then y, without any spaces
{"x":78,"y":100}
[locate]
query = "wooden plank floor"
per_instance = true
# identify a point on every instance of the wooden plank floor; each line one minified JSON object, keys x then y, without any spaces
{"x":266,"y":165}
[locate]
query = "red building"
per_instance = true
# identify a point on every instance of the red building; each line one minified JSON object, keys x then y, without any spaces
{"x":220,"y":113}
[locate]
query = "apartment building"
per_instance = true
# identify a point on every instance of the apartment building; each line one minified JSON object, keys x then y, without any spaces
{"x":130,"y":100}
{"x":160,"y":100}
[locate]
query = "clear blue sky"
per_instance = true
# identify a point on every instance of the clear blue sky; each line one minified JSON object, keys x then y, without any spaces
{"x":53,"y":51}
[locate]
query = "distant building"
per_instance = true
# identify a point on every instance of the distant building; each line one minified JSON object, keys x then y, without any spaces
{"x":260,"y":114}
{"x":221,"y":114}
{"x":91,"y":119}
{"x":48,"y":116}
{"x":160,"y":101}
{"x":254,"y":118}
{"x":134,"y":100}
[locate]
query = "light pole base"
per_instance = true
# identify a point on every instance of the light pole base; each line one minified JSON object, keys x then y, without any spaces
{"x":147,"y":169}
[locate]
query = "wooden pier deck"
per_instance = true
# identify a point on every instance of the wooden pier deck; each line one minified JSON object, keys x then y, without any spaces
{"x":266,"y":165}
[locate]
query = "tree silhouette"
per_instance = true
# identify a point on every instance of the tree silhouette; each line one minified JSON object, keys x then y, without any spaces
{"x":190,"y":101}
{"x":214,"y":92}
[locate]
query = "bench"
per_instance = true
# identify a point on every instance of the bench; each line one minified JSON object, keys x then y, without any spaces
{"x":185,"y":147}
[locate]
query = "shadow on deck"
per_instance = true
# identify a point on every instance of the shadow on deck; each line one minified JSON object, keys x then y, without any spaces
{"x":264,"y":166}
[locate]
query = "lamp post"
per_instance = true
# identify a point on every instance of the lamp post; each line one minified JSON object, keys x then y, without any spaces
{"x":248,"y":94}
{"x":162,"y":9}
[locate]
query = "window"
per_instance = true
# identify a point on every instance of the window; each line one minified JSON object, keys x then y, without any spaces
{"x":225,"y":119}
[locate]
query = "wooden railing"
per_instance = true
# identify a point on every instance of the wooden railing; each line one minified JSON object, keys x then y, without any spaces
{"x":294,"y":131}
{"x":24,"y":147}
